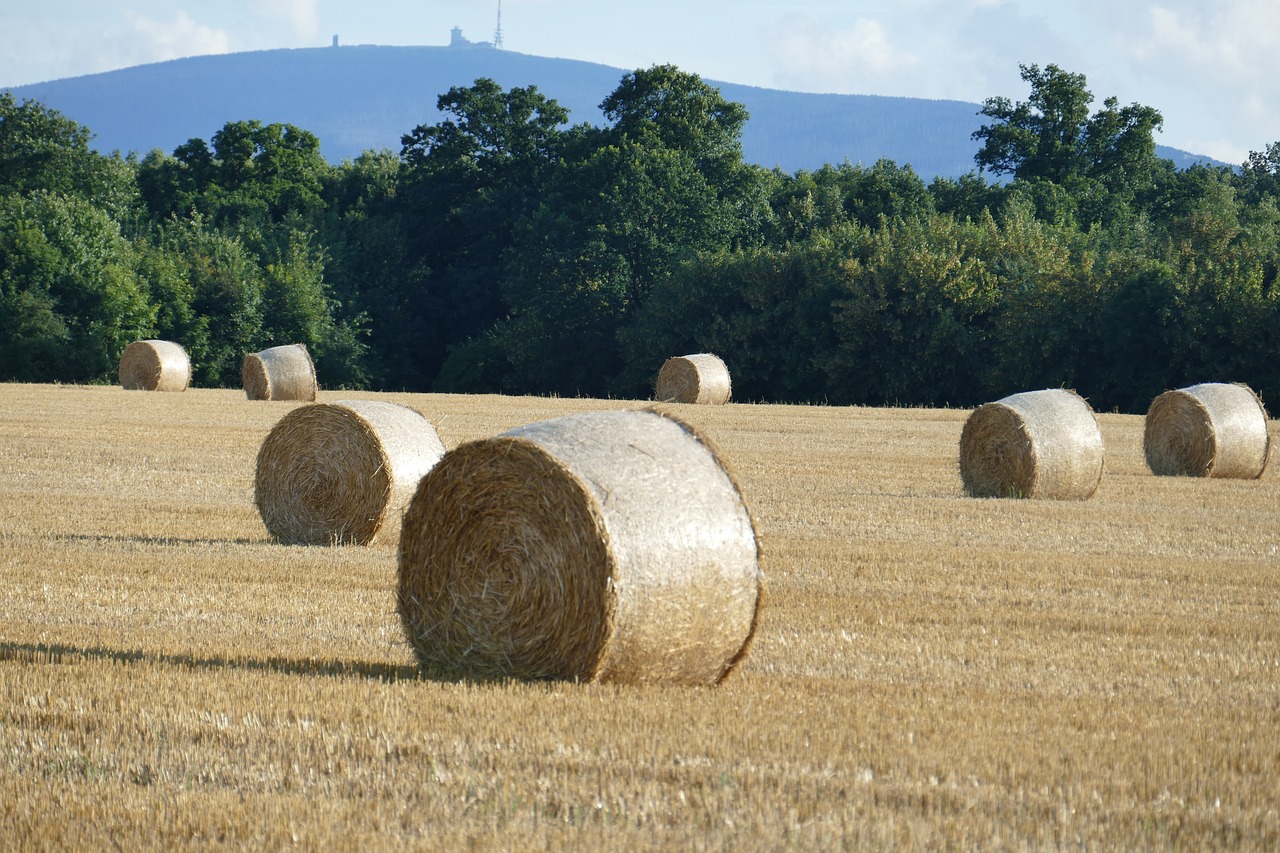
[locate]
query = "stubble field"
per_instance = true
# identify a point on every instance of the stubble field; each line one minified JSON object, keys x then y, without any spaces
{"x":930,"y":670}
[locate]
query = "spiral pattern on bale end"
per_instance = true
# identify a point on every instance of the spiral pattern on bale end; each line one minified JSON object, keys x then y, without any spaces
{"x":699,"y":378}
{"x":1213,"y":429}
{"x":1037,"y":444}
{"x":333,"y":473}
{"x":610,"y":546}
{"x":155,"y":366}
{"x":280,"y":373}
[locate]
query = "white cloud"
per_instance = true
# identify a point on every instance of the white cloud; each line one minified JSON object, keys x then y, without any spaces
{"x":953,"y":7}
{"x":1223,"y":39}
{"x":300,"y":16}
{"x":809,"y":53}
{"x":1219,"y":148}
{"x":153,"y":40}
{"x":1218,"y":63}
{"x":91,"y":43}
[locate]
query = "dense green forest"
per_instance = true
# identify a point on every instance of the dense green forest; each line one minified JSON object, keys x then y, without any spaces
{"x":507,"y":249}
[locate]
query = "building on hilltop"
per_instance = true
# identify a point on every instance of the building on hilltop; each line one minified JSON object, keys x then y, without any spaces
{"x":456,"y":39}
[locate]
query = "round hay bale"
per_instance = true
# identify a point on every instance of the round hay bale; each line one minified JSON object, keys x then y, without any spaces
{"x":155,"y":366}
{"x":1214,"y":429}
{"x":280,"y":373}
{"x":332,"y":473}
{"x":607,"y":546}
{"x":1038,"y":444}
{"x":699,"y":378}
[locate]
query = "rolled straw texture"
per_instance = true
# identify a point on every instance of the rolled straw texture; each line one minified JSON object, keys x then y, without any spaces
{"x":1037,"y":444}
{"x":280,"y":373}
{"x":1210,"y":430}
{"x":155,"y":366}
{"x":699,"y":378}
{"x":333,"y":473}
{"x":608,"y":546}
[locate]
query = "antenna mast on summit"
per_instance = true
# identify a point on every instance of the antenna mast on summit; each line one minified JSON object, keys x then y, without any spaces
{"x":497,"y":33}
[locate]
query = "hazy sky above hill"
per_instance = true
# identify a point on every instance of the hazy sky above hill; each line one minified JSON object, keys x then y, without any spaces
{"x":1210,"y":67}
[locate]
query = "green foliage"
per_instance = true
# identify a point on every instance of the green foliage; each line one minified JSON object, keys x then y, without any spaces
{"x":66,"y":275}
{"x":235,"y":261}
{"x":810,"y":202}
{"x":34,"y":339}
{"x":254,"y":173}
{"x":579,"y":225}
{"x":40,"y":149}
{"x":297,"y":308}
{"x":368,"y":270}
{"x":967,"y":197}
{"x":1046,"y":298}
{"x":766,"y":311}
{"x":504,"y":249}
{"x":226,"y":291}
{"x":912,"y":320}
{"x":464,"y":185}
{"x":585,"y":260}
{"x":664,"y":107}
{"x":1260,"y":175}
{"x":1051,"y":140}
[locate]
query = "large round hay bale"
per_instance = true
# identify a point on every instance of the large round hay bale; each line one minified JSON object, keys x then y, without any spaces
{"x":155,"y":366}
{"x":607,"y":546}
{"x":1037,"y":444}
{"x":699,"y":378}
{"x":280,"y":373}
{"x":1214,"y":429}
{"x":332,"y":473}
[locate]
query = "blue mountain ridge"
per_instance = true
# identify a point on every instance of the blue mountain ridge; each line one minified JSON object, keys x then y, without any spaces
{"x":365,"y":97}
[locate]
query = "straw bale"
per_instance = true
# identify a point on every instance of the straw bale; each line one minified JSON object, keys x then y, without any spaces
{"x":280,"y":373}
{"x":333,"y":473}
{"x":606,"y":546}
{"x":1214,"y":429}
{"x":155,"y":366}
{"x":1037,"y":444}
{"x":699,"y":378}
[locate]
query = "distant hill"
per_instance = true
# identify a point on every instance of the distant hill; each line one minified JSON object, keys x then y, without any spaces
{"x":365,"y":97}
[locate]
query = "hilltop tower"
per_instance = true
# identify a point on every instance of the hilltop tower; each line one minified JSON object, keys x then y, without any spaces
{"x":497,"y":33}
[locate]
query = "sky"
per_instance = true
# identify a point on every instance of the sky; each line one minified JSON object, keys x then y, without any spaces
{"x":1211,"y":67}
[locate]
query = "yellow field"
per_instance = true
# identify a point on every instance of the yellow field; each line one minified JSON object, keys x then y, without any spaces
{"x":930,"y":670}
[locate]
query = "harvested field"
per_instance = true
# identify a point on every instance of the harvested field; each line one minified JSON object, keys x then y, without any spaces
{"x":929,"y":669}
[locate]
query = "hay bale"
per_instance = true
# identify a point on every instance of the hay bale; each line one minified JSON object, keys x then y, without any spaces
{"x":1210,"y":430}
{"x":607,"y":546}
{"x":700,"y":378}
{"x":280,"y":373}
{"x":155,"y":366}
{"x":1038,"y":444}
{"x":332,"y":473}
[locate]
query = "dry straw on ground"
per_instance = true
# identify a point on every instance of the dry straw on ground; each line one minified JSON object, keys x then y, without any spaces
{"x":332,"y":473}
{"x":699,"y":378}
{"x":605,"y":546}
{"x":1210,"y":430}
{"x":1037,"y":444}
{"x":280,"y":373}
{"x":155,"y":366}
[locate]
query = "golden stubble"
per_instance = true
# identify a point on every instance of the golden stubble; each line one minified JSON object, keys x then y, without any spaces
{"x":929,"y":670}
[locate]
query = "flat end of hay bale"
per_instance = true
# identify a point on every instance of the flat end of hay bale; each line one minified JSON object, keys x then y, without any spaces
{"x":699,"y":378}
{"x":280,"y":373}
{"x":153,"y":365}
{"x":492,"y":522}
{"x":1037,"y":444}
{"x":335,"y":473}
{"x":609,"y":546}
{"x":1207,"y":430}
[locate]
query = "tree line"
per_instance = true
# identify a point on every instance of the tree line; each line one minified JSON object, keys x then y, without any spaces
{"x":506,"y":249}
